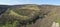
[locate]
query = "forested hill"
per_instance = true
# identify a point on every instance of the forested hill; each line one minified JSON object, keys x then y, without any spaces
{"x":39,"y":15}
{"x":3,"y":8}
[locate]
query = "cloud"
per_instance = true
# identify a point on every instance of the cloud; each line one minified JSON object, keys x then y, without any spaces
{"x":12,"y":2}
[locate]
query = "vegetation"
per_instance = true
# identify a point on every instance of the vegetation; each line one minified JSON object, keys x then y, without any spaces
{"x":24,"y":15}
{"x":27,"y":15}
{"x":58,"y":20}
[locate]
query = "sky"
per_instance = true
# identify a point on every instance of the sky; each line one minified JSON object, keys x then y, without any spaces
{"x":16,"y":2}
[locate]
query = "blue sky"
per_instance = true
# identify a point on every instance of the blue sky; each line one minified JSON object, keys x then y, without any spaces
{"x":13,"y":2}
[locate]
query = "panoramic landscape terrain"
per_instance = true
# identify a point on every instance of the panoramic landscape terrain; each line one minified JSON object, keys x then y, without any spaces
{"x":29,"y":15}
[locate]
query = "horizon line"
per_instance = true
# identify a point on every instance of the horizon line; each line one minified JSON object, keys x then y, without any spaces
{"x":25,"y":4}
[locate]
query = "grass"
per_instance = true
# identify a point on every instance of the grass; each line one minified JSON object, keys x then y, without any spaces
{"x":58,"y":20}
{"x":21,"y":14}
{"x":12,"y":13}
{"x":10,"y":25}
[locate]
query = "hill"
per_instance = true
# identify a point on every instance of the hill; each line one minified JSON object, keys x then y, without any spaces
{"x":39,"y":15}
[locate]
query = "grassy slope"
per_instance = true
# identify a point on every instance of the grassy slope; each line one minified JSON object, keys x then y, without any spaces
{"x":12,"y":13}
{"x":53,"y":16}
{"x":45,"y":22}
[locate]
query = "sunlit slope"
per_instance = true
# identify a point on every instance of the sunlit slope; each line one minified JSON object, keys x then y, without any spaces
{"x":22,"y":13}
{"x":41,"y":15}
